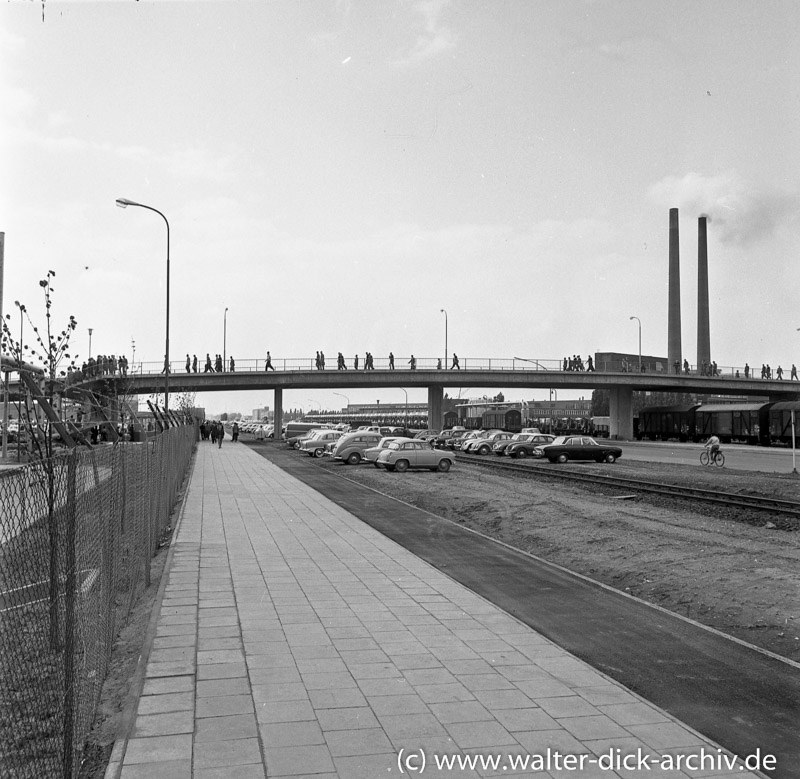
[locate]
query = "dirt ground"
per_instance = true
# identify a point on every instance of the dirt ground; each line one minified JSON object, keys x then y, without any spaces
{"x":728,"y":569}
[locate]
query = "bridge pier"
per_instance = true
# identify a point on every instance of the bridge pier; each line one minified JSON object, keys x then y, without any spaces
{"x":621,"y":413}
{"x":435,"y":416}
{"x":278,"y":414}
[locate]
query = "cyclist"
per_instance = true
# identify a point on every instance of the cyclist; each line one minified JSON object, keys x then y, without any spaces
{"x":713,"y":442}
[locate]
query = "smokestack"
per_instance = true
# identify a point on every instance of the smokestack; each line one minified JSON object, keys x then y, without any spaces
{"x":674,"y":306}
{"x":703,"y":330}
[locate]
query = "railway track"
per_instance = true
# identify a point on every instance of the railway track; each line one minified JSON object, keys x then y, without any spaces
{"x":729,"y":499}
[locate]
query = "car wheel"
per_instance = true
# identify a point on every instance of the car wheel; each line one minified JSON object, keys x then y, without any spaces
{"x":401,"y":465}
{"x":296,"y":445}
{"x":611,"y":457}
{"x":484,"y":450}
{"x":521,"y":453}
{"x":318,"y":452}
{"x":354,"y":458}
{"x":444,"y":466}
{"x":562,"y":458}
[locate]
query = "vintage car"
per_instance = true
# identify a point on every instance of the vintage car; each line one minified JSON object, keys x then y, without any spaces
{"x":371,"y":454}
{"x":350,"y":447}
{"x":579,"y":447}
{"x":483,"y":445}
{"x":315,"y":443}
{"x":402,"y":455}
{"x":527,"y":444}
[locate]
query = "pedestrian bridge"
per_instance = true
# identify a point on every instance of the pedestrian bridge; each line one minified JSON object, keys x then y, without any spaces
{"x":506,"y":374}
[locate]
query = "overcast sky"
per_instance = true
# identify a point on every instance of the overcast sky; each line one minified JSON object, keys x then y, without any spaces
{"x":336,"y":173}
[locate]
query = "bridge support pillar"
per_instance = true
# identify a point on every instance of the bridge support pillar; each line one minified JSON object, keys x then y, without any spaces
{"x":278,"y":414}
{"x":621,"y":413}
{"x":435,"y":416}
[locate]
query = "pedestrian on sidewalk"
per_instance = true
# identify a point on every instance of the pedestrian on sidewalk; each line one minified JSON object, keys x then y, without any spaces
{"x":220,"y":434}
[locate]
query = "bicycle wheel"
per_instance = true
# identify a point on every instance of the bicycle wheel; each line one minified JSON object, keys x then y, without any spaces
{"x":719,"y":460}
{"x":704,"y":457}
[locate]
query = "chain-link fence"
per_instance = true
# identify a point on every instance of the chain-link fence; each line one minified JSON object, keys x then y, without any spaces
{"x":77,"y":535}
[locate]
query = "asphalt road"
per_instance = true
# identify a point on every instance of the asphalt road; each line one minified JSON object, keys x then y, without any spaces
{"x":737,"y":456}
{"x":737,"y":695}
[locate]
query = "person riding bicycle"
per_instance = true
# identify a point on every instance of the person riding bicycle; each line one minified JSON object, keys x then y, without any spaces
{"x":713,"y":442}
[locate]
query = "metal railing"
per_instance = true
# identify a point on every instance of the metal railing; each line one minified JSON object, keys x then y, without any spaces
{"x":77,"y":536}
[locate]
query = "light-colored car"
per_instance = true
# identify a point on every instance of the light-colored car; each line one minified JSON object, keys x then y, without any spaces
{"x":371,"y":454}
{"x":484,"y":445}
{"x":350,"y":447}
{"x":403,"y":455}
{"x":316,"y":443}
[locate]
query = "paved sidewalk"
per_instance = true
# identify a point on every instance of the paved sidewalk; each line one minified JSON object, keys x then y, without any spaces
{"x":295,"y":641}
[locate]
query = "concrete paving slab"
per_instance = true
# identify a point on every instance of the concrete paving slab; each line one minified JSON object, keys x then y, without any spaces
{"x":295,"y":640}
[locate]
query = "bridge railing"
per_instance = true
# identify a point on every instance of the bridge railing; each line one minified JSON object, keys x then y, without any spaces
{"x":379,"y":363}
{"x":288,"y":364}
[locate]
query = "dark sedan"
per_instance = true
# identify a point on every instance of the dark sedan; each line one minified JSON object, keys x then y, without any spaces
{"x":527,"y":445}
{"x":579,"y":447}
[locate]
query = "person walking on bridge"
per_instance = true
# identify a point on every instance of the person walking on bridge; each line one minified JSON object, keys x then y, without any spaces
{"x":188,"y":364}
{"x":413,"y":363}
{"x":455,"y":364}
{"x":194,"y":363}
{"x":391,"y":361}
{"x":233,"y":364}
{"x":269,"y":366}
{"x":208,"y":368}
{"x":793,"y":376}
{"x":340,"y":366}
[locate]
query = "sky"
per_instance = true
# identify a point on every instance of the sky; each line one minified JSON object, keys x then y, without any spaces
{"x":337,"y":172}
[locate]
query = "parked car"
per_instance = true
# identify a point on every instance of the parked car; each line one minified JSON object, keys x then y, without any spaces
{"x":527,"y":445}
{"x":351,"y":446}
{"x":316,"y":442}
{"x":444,"y":438}
{"x":457,"y":444}
{"x":500,"y":446}
{"x":371,"y":454}
{"x":402,"y":455}
{"x":483,"y":445}
{"x":577,"y":447}
{"x":295,"y":442}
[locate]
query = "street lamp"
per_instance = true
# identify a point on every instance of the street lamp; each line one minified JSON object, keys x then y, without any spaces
{"x":124,"y":203}
{"x":225,"y":340}
{"x":640,"y":340}
{"x":406,"y":414}
{"x":133,"y":355}
{"x":441,"y":310}
{"x":342,"y":395}
{"x":90,"y":341}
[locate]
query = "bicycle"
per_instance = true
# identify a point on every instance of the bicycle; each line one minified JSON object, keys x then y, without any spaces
{"x":712,"y":458}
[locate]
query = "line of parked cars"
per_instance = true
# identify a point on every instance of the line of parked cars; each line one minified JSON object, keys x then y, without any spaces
{"x":393,"y":449}
{"x":397,"y":449}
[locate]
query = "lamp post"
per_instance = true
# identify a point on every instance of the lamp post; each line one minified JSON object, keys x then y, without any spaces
{"x":441,"y":310}
{"x":21,"y":308}
{"x":225,"y":340}
{"x":640,"y":340}
{"x":90,"y":341}
{"x":552,"y":392}
{"x":124,"y":203}
{"x":405,"y":424}
{"x":133,"y":355}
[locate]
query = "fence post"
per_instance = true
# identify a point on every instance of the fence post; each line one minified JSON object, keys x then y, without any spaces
{"x":69,"y":622}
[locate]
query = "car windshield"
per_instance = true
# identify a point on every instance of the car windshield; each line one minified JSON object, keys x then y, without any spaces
{"x":394,"y":445}
{"x":560,"y":440}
